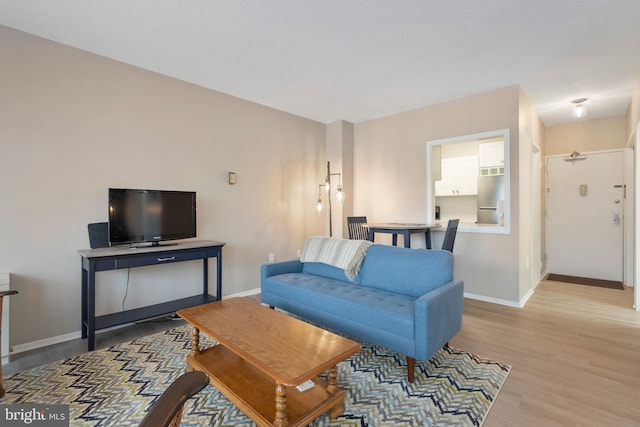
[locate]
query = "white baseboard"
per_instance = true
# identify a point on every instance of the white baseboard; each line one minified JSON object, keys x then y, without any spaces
{"x":21,"y":348}
{"x":508,"y":303}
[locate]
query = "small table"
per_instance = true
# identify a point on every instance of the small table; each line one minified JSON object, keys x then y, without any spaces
{"x":118,"y":257}
{"x":406,"y":230}
{"x":263,"y":355}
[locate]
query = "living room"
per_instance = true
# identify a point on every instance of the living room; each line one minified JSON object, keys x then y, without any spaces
{"x":75,"y":123}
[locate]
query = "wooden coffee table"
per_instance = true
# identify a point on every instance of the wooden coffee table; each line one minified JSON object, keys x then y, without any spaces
{"x":263,"y":355}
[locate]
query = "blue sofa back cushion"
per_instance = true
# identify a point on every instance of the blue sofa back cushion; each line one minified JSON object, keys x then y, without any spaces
{"x":406,"y":271}
{"x":326,"y":270}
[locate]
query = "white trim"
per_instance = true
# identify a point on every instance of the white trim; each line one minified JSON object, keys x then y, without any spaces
{"x":636,"y":219}
{"x":20,"y":348}
{"x":508,"y":303}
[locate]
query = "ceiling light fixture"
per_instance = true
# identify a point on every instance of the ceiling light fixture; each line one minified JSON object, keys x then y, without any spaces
{"x":580,"y":110}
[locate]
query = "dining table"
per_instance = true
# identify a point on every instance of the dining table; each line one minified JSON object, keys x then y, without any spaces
{"x":405,"y":229}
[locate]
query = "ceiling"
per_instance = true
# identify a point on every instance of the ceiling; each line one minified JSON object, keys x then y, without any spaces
{"x":356,"y":60}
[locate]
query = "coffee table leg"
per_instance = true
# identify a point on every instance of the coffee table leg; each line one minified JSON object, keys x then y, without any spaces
{"x":195,"y":341}
{"x":282,"y":418}
{"x":332,"y":387}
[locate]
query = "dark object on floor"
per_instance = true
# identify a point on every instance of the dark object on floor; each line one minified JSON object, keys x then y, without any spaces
{"x":167,"y":410}
{"x":586,"y":281}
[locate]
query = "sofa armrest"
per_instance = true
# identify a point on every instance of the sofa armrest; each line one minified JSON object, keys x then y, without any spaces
{"x":268,"y":270}
{"x":438,"y":317}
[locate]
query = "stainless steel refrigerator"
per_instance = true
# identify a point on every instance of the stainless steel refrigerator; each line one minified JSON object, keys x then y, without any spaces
{"x":490,"y":193}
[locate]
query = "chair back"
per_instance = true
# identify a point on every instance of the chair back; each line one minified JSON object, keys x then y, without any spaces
{"x":450,"y":235}
{"x":167,"y":410}
{"x":357,"y":230}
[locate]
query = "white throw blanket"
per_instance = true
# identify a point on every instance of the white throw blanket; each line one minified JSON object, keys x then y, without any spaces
{"x":341,"y":253}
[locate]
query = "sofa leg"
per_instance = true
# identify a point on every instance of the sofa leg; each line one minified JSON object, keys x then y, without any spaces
{"x":271,"y":307}
{"x":411,"y":364}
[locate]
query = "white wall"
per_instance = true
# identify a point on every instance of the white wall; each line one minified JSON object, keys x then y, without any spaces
{"x":390,"y":181}
{"x":73,"y":124}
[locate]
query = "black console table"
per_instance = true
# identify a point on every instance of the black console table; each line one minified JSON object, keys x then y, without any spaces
{"x":114,"y":258}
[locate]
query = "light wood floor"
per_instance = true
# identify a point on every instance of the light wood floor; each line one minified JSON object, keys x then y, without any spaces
{"x":574,"y":352}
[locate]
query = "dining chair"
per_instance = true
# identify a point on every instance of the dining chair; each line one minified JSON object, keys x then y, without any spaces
{"x":167,"y":410}
{"x":357,"y":229}
{"x":450,"y":235}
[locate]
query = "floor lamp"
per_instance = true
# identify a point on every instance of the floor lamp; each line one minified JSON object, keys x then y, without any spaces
{"x":327,"y":186}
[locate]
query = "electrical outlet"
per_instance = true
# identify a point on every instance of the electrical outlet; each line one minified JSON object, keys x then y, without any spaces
{"x":272,"y":258}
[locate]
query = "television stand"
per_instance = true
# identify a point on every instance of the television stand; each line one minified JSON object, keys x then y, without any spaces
{"x":114,"y":258}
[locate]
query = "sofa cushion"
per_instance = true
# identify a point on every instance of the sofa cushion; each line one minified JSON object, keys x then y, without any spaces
{"x":380,"y":309}
{"x":406,"y":271}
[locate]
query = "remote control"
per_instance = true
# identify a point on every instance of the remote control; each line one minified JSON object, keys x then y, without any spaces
{"x":307,"y":385}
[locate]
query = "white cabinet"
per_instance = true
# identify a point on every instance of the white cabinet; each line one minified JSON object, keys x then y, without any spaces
{"x":491,"y":154}
{"x":459,"y":177}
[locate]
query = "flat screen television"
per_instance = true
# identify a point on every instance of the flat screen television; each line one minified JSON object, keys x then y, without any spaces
{"x":139,"y":216}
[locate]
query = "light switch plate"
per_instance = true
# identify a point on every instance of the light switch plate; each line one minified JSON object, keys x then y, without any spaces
{"x":233,"y":179}
{"x":583,"y":189}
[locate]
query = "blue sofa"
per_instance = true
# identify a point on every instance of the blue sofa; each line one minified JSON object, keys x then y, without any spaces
{"x":402,"y":299}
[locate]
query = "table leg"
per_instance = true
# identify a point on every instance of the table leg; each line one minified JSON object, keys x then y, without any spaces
{"x":282,"y":418}
{"x":394,"y":239}
{"x":91,"y":306}
{"x":332,"y":385}
{"x":205,"y":276}
{"x":83,"y":326}
{"x":195,"y":341}
{"x":219,"y":275}
{"x":427,"y":239}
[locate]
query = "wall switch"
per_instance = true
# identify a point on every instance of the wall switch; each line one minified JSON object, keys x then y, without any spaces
{"x":583,"y":189}
{"x":233,"y":178}
{"x":272,"y":258}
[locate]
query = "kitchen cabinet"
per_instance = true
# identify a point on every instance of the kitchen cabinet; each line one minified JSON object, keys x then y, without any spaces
{"x":459,"y":177}
{"x":491,"y":154}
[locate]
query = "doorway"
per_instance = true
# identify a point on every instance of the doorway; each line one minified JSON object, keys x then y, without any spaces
{"x":585,"y":215}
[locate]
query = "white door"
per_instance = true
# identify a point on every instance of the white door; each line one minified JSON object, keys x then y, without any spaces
{"x":584,"y":215}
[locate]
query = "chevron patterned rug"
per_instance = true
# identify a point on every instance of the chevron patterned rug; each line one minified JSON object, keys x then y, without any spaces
{"x":115,"y":386}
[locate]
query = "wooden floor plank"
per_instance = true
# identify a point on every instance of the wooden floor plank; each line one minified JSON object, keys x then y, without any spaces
{"x":574,"y":352}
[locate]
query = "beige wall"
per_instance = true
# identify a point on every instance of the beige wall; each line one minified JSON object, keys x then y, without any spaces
{"x":586,"y":135}
{"x":73,"y":124}
{"x":390,"y":176}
